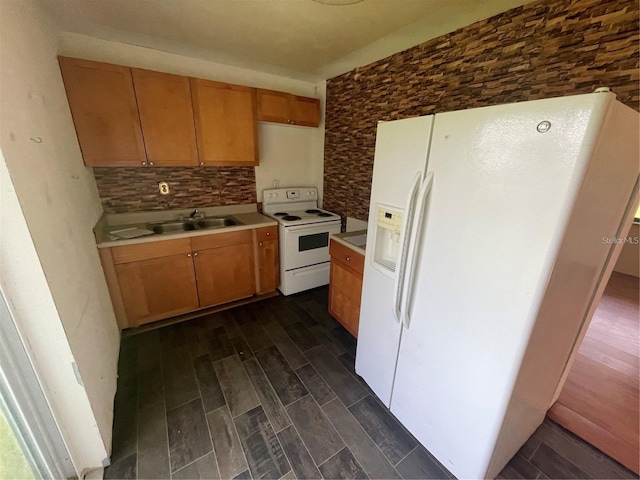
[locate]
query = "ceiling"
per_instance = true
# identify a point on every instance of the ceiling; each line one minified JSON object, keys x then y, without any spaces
{"x":298,"y":38}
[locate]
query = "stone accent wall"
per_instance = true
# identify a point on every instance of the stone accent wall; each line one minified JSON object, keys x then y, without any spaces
{"x":544,"y":49}
{"x":134,"y":189}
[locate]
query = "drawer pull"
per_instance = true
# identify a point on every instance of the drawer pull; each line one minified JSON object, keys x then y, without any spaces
{"x":268,"y":234}
{"x":188,"y":254}
{"x":348,"y":259}
{"x":195,"y":254}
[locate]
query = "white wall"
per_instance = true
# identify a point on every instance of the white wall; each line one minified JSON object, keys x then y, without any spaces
{"x":293,"y":155}
{"x":57,"y":290}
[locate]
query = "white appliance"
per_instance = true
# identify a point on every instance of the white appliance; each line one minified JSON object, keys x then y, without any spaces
{"x":304,"y":231}
{"x":484,"y":256}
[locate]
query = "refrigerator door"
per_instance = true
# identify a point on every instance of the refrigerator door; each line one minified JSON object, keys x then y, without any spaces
{"x":398,"y":169}
{"x":504,"y":181}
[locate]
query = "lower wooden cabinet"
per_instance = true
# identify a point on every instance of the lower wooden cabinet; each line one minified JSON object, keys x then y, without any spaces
{"x":268,"y":264}
{"x":156,"y":280}
{"x":157,"y":288}
{"x":226,"y":272}
{"x":345,"y":285}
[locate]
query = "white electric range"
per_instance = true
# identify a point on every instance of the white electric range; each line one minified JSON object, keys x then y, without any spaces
{"x":303,"y":230}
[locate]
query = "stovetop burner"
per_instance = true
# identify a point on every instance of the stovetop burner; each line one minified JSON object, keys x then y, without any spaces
{"x":322,"y":214}
{"x":312,"y":210}
{"x":280,"y":214}
{"x":290,"y":218}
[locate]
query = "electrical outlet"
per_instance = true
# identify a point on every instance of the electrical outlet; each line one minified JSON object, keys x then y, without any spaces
{"x":164,"y":188}
{"x":276,"y":183}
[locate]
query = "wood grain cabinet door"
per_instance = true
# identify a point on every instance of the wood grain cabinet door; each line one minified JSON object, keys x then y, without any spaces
{"x":345,"y":290}
{"x":103,"y":106}
{"x":305,"y":111}
{"x":282,"y":107}
{"x":226,"y":123}
{"x":225,"y":274}
{"x":268,"y":262}
{"x":157,"y":288}
{"x":166,"y":115}
{"x":345,"y":285}
{"x":273,"y":106}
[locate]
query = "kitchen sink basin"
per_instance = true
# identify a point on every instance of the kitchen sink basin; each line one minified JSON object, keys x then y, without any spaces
{"x":215,"y":222}
{"x":173,"y":227}
{"x":189,"y":225}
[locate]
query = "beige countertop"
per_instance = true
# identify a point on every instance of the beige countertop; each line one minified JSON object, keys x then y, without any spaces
{"x":246,"y":217}
{"x":356,"y":240}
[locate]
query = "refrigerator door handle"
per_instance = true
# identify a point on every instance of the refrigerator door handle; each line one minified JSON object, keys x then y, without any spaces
{"x":405,"y":304}
{"x":405,"y":236}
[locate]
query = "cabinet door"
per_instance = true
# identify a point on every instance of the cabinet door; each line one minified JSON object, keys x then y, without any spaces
{"x":305,"y":111}
{"x":226,"y":123}
{"x":166,"y":115}
{"x":268,"y":262}
{"x":157,"y":288}
{"x":104,"y":111}
{"x":273,"y":106}
{"x":225,"y":274}
{"x":345,"y":289}
{"x":268,"y":265}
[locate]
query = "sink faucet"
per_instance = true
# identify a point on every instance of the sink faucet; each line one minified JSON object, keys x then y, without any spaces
{"x":194,"y":213}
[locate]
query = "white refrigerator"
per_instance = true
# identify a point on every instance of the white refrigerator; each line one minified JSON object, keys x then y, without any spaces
{"x":487,"y":247}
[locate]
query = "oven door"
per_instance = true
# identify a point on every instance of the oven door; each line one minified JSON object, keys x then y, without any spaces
{"x":306,"y":245}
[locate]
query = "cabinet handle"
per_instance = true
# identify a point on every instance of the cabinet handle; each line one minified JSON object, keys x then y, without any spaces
{"x":348,"y":259}
{"x":268,"y":234}
{"x":144,"y":163}
{"x":188,"y":254}
{"x":150,"y":163}
{"x":195,"y":254}
{"x":202,"y":164}
{"x":260,"y":244}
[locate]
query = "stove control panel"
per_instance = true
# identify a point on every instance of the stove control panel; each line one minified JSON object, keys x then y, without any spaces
{"x":282,"y":195}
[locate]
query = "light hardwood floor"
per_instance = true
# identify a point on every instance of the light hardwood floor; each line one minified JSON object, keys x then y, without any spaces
{"x":600,"y":400}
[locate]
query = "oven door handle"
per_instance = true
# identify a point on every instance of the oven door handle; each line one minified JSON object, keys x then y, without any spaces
{"x":317,"y":227}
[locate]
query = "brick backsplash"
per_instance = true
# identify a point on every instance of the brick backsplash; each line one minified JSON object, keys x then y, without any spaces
{"x":543,"y":49}
{"x":135,"y":189}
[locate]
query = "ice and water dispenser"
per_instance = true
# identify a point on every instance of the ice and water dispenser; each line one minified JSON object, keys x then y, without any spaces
{"x":387,"y":239}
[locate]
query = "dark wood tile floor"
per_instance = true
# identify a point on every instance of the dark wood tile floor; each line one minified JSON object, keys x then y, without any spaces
{"x":268,"y":390}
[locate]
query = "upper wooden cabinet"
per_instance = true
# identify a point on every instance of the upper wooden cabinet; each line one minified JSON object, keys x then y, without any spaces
{"x":103,"y":105}
{"x":166,"y":115}
{"x":284,"y":107}
{"x":129,"y":117}
{"x":226,"y":123}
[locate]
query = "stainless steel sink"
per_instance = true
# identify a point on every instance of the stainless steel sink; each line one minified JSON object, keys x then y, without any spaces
{"x":172,"y":227}
{"x":216,"y":222}
{"x":188,"y":225}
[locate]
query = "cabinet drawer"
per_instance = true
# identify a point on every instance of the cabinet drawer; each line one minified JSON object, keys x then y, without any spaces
{"x":347,"y":256}
{"x":146,"y":251}
{"x":267,"y":233}
{"x":221,"y":240}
